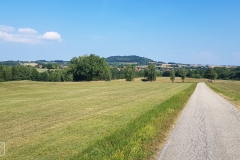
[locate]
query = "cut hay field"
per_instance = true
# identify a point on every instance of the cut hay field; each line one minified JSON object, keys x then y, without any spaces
{"x":58,"y":120}
{"x":44,"y":69}
{"x":228,"y":89}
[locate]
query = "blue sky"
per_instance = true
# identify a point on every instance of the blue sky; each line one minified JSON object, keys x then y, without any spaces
{"x":197,"y":32}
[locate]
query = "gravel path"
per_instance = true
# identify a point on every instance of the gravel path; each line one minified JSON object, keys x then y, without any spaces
{"x":209,"y":128}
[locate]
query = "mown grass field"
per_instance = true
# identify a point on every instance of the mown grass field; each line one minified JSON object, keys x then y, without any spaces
{"x":228,"y":89}
{"x":44,"y":69}
{"x":60,"y":120}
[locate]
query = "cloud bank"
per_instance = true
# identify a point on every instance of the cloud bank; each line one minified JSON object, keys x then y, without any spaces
{"x":26,"y":35}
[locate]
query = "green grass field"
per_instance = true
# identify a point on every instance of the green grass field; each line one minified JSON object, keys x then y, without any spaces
{"x":44,"y":69}
{"x":59,"y":120}
{"x":228,"y":89}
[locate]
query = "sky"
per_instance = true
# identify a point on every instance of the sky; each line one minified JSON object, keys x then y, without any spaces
{"x":186,"y":31}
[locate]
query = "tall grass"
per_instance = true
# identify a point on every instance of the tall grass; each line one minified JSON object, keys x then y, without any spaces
{"x":136,"y":140}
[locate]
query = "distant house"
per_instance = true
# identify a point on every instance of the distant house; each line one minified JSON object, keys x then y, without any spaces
{"x":40,"y":66}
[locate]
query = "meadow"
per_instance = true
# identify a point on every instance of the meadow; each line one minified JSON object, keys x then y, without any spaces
{"x":65,"y":120}
{"x":228,"y":89}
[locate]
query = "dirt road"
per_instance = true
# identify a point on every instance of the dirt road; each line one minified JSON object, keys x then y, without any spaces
{"x":209,"y":128}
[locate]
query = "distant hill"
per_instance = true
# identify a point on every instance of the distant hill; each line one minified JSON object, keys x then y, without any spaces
{"x":128,"y":59}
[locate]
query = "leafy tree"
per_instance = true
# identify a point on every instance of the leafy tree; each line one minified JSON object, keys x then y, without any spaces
{"x":114,"y":72}
{"x":145,"y":72}
{"x":1,"y":74}
{"x":49,"y":66}
{"x":121,"y":74}
{"x":129,"y":72}
{"x":45,"y":76}
{"x":195,"y":76}
{"x":7,"y":73}
{"x":236,"y":75}
{"x":166,"y":74}
{"x":35,"y":75}
{"x":183,"y":74}
{"x":139,"y":73}
{"x":22,"y":72}
{"x":117,"y":73}
{"x":89,"y":68}
{"x":68,"y":77}
{"x":159,"y":74}
{"x":210,"y":74}
{"x":150,"y":72}
{"x":172,"y":75}
{"x":189,"y":73}
{"x":15,"y":73}
{"x":56,"y":76}
{"x":223,"y":72}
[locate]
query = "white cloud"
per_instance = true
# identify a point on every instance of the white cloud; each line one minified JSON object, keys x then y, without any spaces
{"x":26,"y":35}
{"x":4,"y":28}
{"x":52,"y":36}
{"x":27,"y":31}
{"x":19,"y":38}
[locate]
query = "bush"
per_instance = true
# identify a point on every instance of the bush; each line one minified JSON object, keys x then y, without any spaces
{"x":196,"y":76}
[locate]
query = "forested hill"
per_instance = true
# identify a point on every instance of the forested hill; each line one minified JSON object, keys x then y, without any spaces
{"x":128,"y":59}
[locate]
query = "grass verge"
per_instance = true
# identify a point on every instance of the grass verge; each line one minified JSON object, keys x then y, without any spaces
{"x":228,"y":89}
{"x":137,"y":139}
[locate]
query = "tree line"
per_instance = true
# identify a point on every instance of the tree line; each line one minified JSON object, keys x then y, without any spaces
{"x":209,"y":73}
{"x":94,"y":68}
{"x":16,"y":73}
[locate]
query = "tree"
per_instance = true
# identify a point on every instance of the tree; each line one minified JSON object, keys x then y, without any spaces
{"x":114,"y":72}
{"x":45,"y":76}
{"x":1,"y":74}
{"x":172,"y":75}
{"x":129,"y":72}
{"x":159,"y":74}
{"x":210,"y":74}
{"x":166,"y":74}
{"x":183,"y":74}
{"x":139,"y":73}
{"x":35,"y":75}
{"x":150,"y":72}
{"x":7,"y":73}
{"x":215,"y":75}
{"x":195,"y":76}
{"x":21,"y":72}
{"x":145,"y":72}
{"x":55,"y":76}
{"x":89,"y":68}
{"x":49,"y":66}
{"x":223,"y":72}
